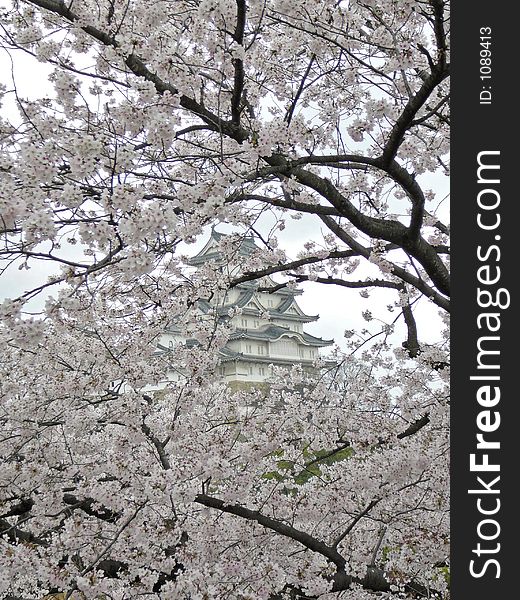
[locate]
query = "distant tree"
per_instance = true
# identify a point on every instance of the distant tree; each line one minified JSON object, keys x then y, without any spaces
{"x":162,"y":118}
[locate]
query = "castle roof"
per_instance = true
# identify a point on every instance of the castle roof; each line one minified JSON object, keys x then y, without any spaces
{"x":211,"y":251}
{"x":248,"y":296}
{"x":248,"y":289}
{"x":272,"y":333}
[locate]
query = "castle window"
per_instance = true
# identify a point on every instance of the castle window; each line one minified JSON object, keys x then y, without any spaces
{"x":244,"y":323}
{"x":250,"y":370}
{"x":260,"y":349}
{"x":261,"y":370}
{"x":285,"y":347}
{"x":257,"y":323}
{"x":249,"y":349}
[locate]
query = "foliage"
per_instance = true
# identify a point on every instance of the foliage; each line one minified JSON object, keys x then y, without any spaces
{"x":162,"y":118}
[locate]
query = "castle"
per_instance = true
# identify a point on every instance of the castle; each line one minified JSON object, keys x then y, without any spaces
{"x":267,"y":328}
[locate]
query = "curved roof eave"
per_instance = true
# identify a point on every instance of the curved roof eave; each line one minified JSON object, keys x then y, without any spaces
{"x":273,"y":333}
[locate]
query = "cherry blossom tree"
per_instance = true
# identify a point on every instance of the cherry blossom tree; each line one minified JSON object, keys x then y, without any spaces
{"x":162,"y":118}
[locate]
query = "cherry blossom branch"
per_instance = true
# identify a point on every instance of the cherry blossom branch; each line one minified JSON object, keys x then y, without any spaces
{"x":238,"y":63}
{"x":355,"y":521}
{"x":290,"y":111}
{"x":412,"y":343}
{"x":407,"y":116}
{"x":159,"y":446}
{"x":297,"y":535}
{"x":335,"y":42}
{"x":254,"y":275}
{"x":138,"y":68}
{"x":19,"y":535}
{"x":85,"y":505}
{"x":374,"y":578}
{"x":431,"y":112}
{"x":323,"y":457}
{"x":414,"y":427}
{"x":388,"y":230}
{"x":440,"y":34}
{"x":380,"y":283}
{"x":107,"y":548}
{"x":400,"y":272}
{"x":289,"y":203}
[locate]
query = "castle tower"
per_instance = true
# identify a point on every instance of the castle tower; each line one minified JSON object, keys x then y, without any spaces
{"x":268,"y":329}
